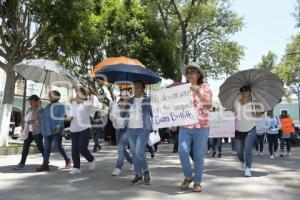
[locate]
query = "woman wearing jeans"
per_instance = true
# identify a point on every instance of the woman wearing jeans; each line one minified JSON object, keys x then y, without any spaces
{"x":139,"y":125}
{"x":32,"y":120}
{"x":52,"y":129}
{"x":117,"y":113}
{"x":245,"y":133}
{"x":196,"y":134}
{"x":80,"y":128}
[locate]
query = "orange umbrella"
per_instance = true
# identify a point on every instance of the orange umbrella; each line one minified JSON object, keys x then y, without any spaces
{"x":115,"y":61}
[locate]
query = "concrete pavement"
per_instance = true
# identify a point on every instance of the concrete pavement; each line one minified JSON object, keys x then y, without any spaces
{"x":223,"y":179}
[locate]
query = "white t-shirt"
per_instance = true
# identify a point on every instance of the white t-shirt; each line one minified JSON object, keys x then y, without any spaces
{"x":261,"y":126}
{"x":81,"y":116}
{"x":135,"y":114}
{"x":115,"y":116}
{"x":244,"y":120}
{"x":27,"y":118}
{"x":273,"y":125}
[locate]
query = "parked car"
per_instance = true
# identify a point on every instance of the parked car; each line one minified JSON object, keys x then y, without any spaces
{"x":17,"y":132}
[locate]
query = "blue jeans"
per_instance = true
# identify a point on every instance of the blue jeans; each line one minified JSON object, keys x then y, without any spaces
{"x":97,"y":136}
{"x":198,"y":137}
{"x":244,"y":147}
{"x":122,"y":141}
{"x":48,"y":145}
{"x":233,"y":145}
{"x":138,"y":139}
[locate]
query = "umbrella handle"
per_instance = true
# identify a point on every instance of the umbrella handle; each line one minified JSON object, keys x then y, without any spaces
{"x":43,"y":84}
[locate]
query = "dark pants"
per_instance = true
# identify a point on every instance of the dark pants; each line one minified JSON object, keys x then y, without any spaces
{"x":216,"y":142}
{"x":273,"y":143}
{"x":26,"y":145}
{"x":175,"y":147}
{"x":48,"y":145}
{"x":150,"y":149}
{"x":288,"y":144}
{"x":259,"y":142}
{"x":96,"y":138}
{"x":80,"y":142}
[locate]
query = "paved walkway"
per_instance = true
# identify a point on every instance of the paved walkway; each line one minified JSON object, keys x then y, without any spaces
{"x":223,"y":179}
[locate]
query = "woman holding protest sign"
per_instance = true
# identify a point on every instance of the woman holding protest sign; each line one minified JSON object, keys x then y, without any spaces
{"x":196,"y":134}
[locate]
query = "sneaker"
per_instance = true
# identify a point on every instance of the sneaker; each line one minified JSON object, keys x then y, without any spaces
{"x":272,"y":157}
{"x":116,"y":172}
{"x":92,"y":165}
{"x":214,"y":154}
{"x":75,"y":171}
{"x":219,"y":155}
{"x":281,"y":155}
{"x":233,"y":153}
{"x":68,"y":164}
{"x":288,"y":154}
{"x":256,"y":153}
{"x":247,"y":172}
{"x":136,"y":179}
{"x":197,"y":187}
{"x":261,"y":153}
{"x":275,"y":154}
{"x":208,"y":152}
{"x":43,"y":168}
{"x":147,"y":179}
{"x":243,"y":166}
{"x":186,"y":183}
{"x":152,"y":155}
{"x":19,"y":167}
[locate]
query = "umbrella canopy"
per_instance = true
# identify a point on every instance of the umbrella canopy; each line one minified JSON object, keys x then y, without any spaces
{"x":123,"y":69}
{"x":116,"y":61}
{"x":266,"y":88}
{"x":44,"y":71}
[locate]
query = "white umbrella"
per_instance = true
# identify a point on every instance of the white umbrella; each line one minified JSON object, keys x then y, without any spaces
{"x":266,"y":88}
{"x":44,"y":71}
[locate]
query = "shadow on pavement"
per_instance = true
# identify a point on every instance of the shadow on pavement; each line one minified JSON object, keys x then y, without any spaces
{"x":233,"y":173}
{"x":26,"y":169}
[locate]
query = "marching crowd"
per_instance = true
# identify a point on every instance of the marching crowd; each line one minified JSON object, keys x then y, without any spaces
{"x":131,"y":116}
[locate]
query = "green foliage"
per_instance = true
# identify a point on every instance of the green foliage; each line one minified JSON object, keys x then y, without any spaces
{"x":268,"y":62}
{"x":289,"y":68}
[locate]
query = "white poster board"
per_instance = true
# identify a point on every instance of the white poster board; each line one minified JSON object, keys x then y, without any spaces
{"x":173,"y":107}
{"x":222,"y":124}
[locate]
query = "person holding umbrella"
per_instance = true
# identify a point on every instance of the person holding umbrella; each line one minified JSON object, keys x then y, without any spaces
{"x":139,"y":125}
{"x":52,"y":129}
{"x":32,"y":125}
{"x":246,"y":114}
{"x":249,"y":93}
{"x":196,"y":134}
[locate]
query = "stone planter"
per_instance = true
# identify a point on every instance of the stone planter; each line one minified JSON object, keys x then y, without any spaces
{"x":16,"y":150}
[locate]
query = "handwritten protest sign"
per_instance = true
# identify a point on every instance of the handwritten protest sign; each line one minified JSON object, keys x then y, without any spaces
{"x":173,"y":107}
{"x":222,"y":124}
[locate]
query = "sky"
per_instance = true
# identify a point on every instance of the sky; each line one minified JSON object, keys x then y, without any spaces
{"x":269,"y":25}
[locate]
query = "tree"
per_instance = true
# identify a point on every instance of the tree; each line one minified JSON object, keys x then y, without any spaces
{"x":93,"y":30}
{"x":268,"y":62}
{"x":289,"y":67}
{"x":202,"y":29}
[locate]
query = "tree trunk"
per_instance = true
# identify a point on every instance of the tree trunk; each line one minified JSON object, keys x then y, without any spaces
{"x":9,"y":90}
{"x":6,"y":108}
